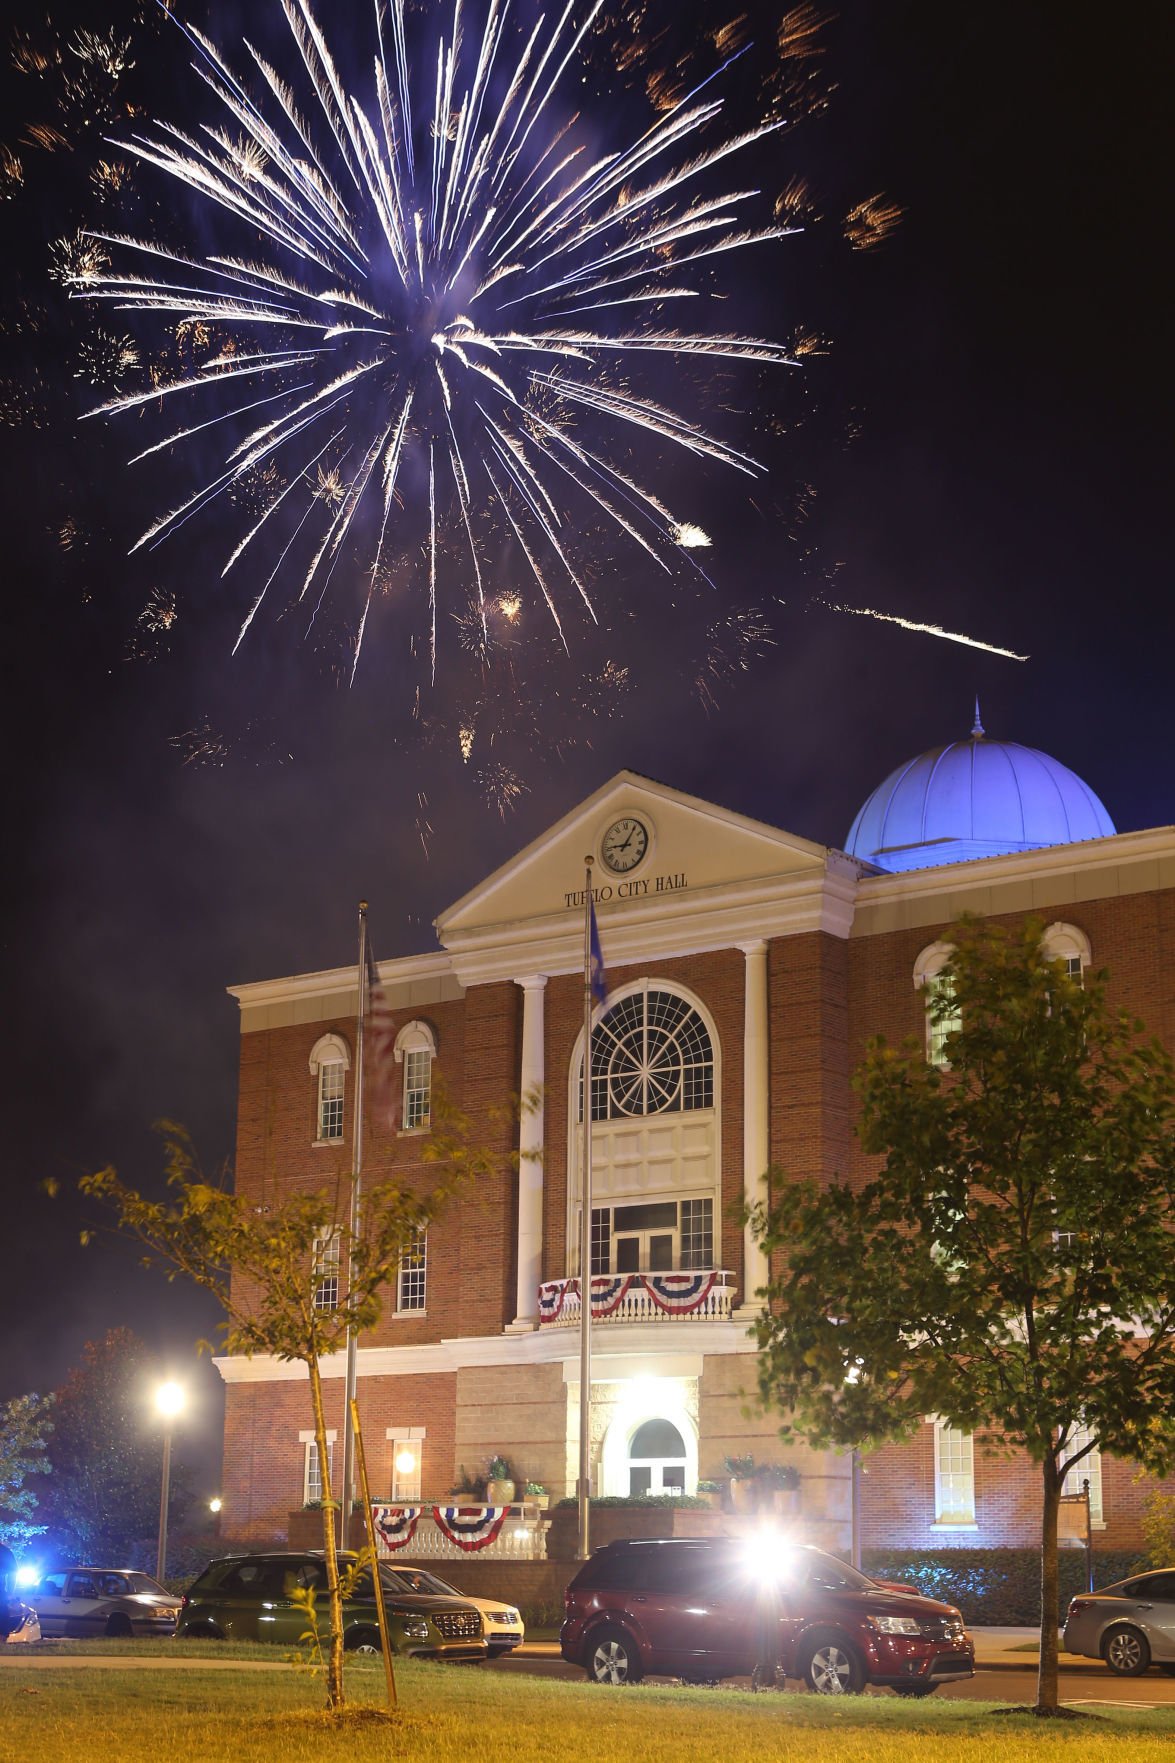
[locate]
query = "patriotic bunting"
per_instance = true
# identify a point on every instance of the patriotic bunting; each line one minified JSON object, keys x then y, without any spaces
{"x":470,"y":1527}
{"x":396,"y":1524}
{"x":676,"y":1294}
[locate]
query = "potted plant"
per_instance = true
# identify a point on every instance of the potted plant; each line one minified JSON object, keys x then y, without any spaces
{"x":536,"y":1494}
{"x":499,"y":1482}
{"x":781,"y":1481}
{"x":741,"y":1471}
{"x":711,"y":1492}
{"x":466,"y":1489}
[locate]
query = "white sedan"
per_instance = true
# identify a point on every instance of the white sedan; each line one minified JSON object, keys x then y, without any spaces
{"x":503,"y":1626}
{"x":1130,"y":1625}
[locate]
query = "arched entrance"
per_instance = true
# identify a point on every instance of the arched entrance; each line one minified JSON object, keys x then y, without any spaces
{"x":657,"y":1459}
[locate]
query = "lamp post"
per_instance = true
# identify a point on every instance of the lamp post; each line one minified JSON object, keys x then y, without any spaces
{"x":169,"y":1401}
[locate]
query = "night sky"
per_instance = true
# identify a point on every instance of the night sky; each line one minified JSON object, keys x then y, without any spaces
{"x":984,"y":445}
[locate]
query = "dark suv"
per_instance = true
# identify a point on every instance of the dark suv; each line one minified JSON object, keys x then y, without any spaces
{"x":250,"y":1598}
{"x":710,"y":1608}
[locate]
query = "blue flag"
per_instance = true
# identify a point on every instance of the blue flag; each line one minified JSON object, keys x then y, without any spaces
{"x":599,"y":978}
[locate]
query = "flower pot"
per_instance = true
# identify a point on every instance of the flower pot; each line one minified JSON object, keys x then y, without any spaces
{"x":712,"y":1497}
{"x":539,"y":1500}
{"x":785,"y":1502}
{"x":742,"y":1496}
{"x":500,"y":1493}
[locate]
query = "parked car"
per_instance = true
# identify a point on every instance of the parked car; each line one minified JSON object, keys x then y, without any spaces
{"x":710,"y":1608}
{"x":504,"y":1627}
{"x":250,"y":1598}
{"x":1130,"y":1624}
{"x":117,"y":1602}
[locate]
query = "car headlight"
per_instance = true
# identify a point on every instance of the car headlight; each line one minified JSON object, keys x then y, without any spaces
{"x":416,"y":1627}
{"x":508,"y":1618}
{"x":896,"y":1624}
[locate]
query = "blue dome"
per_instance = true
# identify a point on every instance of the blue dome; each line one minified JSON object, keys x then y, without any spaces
{"x":975,"y":798}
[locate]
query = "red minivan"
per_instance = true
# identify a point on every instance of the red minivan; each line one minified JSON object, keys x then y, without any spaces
{"x":708,"y":1608}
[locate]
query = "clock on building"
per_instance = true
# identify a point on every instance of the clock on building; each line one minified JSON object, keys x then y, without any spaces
{"x":624,"y":844}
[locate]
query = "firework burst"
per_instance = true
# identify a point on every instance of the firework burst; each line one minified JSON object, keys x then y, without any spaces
{"x":433,"y":293}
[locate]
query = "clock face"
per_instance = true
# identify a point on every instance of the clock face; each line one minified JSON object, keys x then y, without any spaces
{"x":624,"y":844}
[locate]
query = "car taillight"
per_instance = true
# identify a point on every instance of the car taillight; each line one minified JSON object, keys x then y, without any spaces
{"x":568,"y":1598}
{"x":184,"y":1601}
{"x":1078,"y":1604}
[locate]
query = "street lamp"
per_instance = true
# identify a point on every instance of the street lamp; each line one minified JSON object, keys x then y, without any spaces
{"x":169,"y":1401}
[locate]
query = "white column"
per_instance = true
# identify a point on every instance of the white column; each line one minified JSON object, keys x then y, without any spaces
{"x":756,"y":1118}
{"x":530,"y":1161}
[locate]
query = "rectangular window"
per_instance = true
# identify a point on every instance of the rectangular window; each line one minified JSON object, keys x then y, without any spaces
{"x":413,"y":1275}
{"x":697,"y":1234}
{"x":313,"y":1478}
{"x":954,"y":1476}
{"x":1088,"y":1470}
{"x":417,"y":1087}
{"x":940,"y":986}
{"x":1071,"y":964}
{"x":330,"y":1099}
{"x":407,"y":1456}
{"x":327,"y":1255}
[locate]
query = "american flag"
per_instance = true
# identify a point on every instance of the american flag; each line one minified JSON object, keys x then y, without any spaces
{"x":385,"y":1088}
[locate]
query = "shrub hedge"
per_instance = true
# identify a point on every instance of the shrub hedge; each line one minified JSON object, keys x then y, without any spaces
{"x":998,"y":1588}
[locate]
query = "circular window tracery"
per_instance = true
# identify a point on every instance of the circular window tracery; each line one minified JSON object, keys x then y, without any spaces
{"x":651,"y":1054}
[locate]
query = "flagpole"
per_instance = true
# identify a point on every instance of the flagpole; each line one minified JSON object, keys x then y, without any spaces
{"x":348,"y":1477}
{"x":585,"y":1238}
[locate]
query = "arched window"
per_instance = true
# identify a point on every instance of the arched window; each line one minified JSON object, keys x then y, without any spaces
{"x":416,"y":1048}
{"x":330,"y":1060}
{"x":930,"y":980}
{"x":656,"y":1459}
{"x":1068,"y":945}
{"x":651,"y":1054}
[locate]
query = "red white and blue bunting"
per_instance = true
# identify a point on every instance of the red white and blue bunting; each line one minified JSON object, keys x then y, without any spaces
{"x":677,"y":1294}
{"x":396,"y":1524}
{"x":470,"y":1527}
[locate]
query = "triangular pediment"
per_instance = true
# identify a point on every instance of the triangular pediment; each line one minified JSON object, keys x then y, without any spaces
{"x":689,"y":850}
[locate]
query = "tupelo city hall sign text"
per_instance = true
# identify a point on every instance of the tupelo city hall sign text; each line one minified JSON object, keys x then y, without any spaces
{"x":629,"y":890}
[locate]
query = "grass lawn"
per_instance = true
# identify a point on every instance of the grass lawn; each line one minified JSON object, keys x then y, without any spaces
{"x":470,"y":1716}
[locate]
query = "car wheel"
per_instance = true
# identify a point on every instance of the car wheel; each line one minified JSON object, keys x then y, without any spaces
{"x":1126,"y":1652}
{"x":612,"y":1658}
{"x":363,"y":1640}
{"x":914,"y":1690}
{"x":118,"y":1628}
{"x":830,"y":1668}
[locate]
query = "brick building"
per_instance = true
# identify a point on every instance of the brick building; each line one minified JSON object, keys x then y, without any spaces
{"x":747,"y":968}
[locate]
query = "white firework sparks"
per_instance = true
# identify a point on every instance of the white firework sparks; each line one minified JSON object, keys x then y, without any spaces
{"x":929,"y":630}
{"x":430,"y":250}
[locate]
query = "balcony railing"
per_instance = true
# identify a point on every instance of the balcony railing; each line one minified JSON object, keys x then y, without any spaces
{"x":522,"y":1536}
{"x":704,"y":1295}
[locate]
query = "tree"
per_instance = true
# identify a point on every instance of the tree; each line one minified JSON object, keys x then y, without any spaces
{"x":100,"y":1497}
{"x":1008,"y":1265}
{"x":24,"y":1427}
{"x":265,"y":1265}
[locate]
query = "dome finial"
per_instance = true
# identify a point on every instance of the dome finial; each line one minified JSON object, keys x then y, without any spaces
{"x":977,"y":731}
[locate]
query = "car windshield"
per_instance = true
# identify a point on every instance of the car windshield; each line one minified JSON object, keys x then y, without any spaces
{"x":142,"y":1583}
{"x":415,"y":1579}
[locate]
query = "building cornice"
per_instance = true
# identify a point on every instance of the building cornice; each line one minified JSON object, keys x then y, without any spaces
{"x":544,"y":1346}
{"x":1084,"y":862}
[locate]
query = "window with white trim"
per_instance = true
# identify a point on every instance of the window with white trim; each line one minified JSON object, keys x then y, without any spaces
{"x":938,"y":991}
{"x":312,"y":1481}
{"x":1088,"y":1470}
{"x":954,"y":1475}
{"x":416,"y":1048}
{"x":407,"y":1461}
{"x":1068,"y":944}
{"x":651,"y":1054}
{"x":412,"y":1276}
{"x":330,"y":1060}
{"x":327,"y":1257}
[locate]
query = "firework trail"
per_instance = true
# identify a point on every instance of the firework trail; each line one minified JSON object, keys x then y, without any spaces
{"x":930,"y":630}
{"x":446,"y":290}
